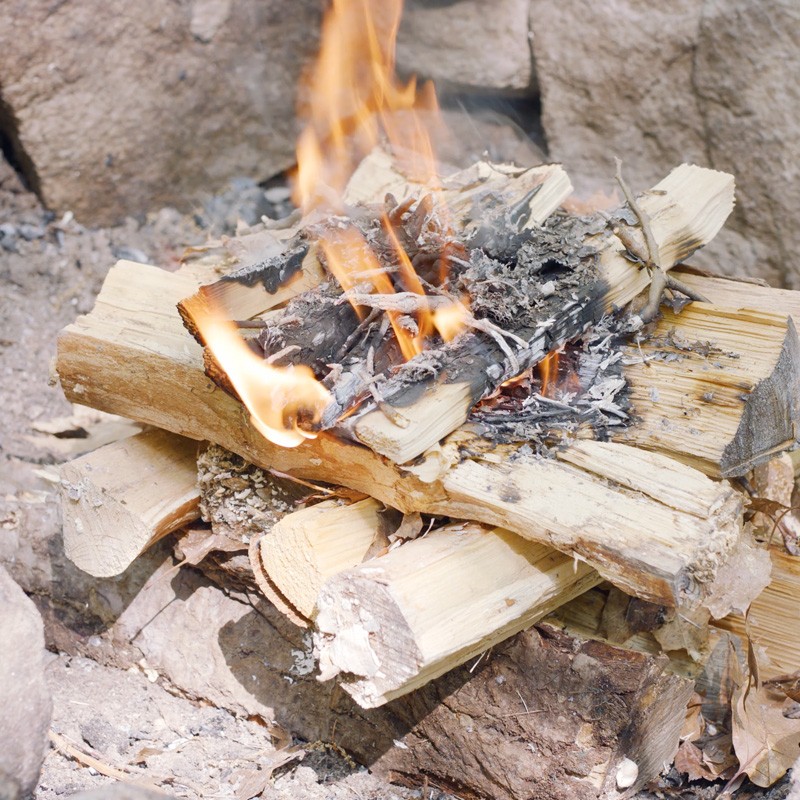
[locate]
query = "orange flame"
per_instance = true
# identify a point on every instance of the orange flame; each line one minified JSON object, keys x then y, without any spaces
{"x":450,"y":320}
{"x":276,"y":397}
{"x":349,"y":258}
{"x":354,"y":96}
{"x":548,"y":371}
{"x":354,"y":101}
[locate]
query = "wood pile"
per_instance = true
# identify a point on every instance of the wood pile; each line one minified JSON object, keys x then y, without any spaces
{"x":433,"y":519}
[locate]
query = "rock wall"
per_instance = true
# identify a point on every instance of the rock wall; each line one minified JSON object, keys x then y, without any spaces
{"x":466,"y":45}
{"x":716,"y":82}
{"x":121,"y":108}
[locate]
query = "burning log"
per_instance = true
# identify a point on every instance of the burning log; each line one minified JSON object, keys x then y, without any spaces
{"x":685,"y":211}
{"x":122,"y":498}
{"x":294,"y":268}
{"x":132,"y":356}
{"x":387,"y":627}
{"x":255,"y":288}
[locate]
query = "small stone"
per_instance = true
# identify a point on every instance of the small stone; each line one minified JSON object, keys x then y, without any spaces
{"x":131,"y":254}
{"x":627,"y":773}
{"x":31,"y":232}
{"x":277,"y":194}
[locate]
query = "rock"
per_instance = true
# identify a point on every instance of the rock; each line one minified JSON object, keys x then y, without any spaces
{"x":8,"y":237}
{"x":24,"y":697}
{"x":464,"y":44}
{"x":117,"y":113}
{"x":747,"y":77}
{"x":715,"y":83}
{"x":616,"y":80}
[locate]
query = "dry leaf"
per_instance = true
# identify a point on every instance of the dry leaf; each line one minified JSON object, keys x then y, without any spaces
{"x":788,"y":684}
{"x":410,"y":527}
{"x":783,"y":520}
{"x":693,"y":725}
{"x":689,"y":762}
{"x":197,"y":543}
{"x":765,"y":741}
{"x":718,"y":756}
{"x":251,"y":783}
{"x":685,"y":630}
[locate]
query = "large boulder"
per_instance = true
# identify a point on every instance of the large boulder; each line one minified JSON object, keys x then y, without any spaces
{"x":467,"y":43}
{"x":116,"y":108}
{"x":24,"y":696}
{"x":747,"y":79}
{"x":616,"y":80}
{"x":716,"y":83}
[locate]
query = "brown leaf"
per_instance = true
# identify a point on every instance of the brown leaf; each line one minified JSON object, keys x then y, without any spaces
{"x":252,"y":782}
{"x":788,"y":684}
{"x":783,"y":520}
{"x":693,"y":725}
{"x":689,"y":762}
{"x":196,"y":544}
{"x":765,"y":741}
{"x":718,"y":755}
{"x":685,"y":630}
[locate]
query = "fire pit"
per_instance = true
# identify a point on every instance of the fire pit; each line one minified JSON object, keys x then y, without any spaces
{"x":501,"y":419}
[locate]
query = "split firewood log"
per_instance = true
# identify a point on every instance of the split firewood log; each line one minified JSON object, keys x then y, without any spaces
{"x":718,"y":388}
{"x":396,"y":622}
{"x":685,"y":211}
{"x":307,"y":547}
{"x":122,"y":498}
{"x":132,"y":356}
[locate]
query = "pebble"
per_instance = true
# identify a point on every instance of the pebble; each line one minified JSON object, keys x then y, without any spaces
{"x":8,"y":237}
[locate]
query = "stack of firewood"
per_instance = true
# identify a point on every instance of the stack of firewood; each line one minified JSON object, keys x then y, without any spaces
{"x":413,"y":538}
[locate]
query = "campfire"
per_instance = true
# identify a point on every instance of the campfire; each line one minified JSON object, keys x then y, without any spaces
{"x":442,"y":407}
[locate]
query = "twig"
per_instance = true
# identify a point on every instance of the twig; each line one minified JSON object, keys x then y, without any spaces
{"x":644,"y":220}
{"x":275,"y":473}
{"x":127,"y":773}
{"x":361,"y":328}
{"x":69,"y":750}
{"x":679,"y":286}
{"x":257,"y":324}
{"x":281,"y":353}
{"x":659,"y":280}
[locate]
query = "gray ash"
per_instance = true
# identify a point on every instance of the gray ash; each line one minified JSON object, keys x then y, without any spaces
{"x":524,"y":292}
{"x":585,"y":393}
{"x":534,"y":274}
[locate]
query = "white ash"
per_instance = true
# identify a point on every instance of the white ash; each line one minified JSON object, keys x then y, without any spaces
{"x":240,"y":499}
